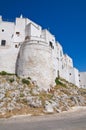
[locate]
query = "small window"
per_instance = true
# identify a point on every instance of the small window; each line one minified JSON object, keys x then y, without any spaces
{"x":2,"y":30}
{"x":70,"y":74}
{"x":17,"y":33}
{"x":79,"y":75}
{"x":51,"y":45}
{"x":3,"y":42}
{"x":16,"y":46}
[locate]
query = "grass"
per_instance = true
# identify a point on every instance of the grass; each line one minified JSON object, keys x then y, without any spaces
{"x":43,"y":96}
{"x":21,"y":95}
{"x":25,"y":81}
{"x":11,"y":80}
{"x":82,"y":91}
{"x":59,"y":82}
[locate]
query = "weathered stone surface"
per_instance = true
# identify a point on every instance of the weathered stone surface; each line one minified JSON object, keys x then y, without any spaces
{"x":35,"y":91}
{"x":2,"y":91}
{"x":34,"y":101}
{"x":7,"y":99}
{"x":3,"y":110}
{"x":1,"y":104}
{"x":2,"y":96}
{"x":26,"y":91}
{"x":29,"y":64}
{"x":17,"y":96}
{"x":10,"y":106}
{"x":16,"y":93}
{"x":48,"y":107}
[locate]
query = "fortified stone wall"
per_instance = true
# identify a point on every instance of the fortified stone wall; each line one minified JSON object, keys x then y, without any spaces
{"x":40,"y":56}
{"x":35,"y":61}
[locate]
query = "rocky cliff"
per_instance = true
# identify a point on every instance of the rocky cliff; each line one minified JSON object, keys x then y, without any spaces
{"x":22,"y":96}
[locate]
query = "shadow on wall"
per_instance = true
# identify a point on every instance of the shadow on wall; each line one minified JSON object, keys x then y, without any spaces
{"x":16,"y":66}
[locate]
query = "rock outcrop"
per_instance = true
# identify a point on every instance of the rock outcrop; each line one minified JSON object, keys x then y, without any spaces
{"x":22,"y":96}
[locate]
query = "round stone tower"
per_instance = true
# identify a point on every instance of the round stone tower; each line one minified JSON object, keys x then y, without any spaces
{"x":35,"y":61}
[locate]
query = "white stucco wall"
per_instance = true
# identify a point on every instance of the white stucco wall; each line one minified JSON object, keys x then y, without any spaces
{"x":6,"y":32}
{"x":59,"y":51}
{"x":48,"y":36}
{"x":28,"y":21}
{"x":19,"y":28}
{"x":68,"y":60}
{"x":82,"y":79}
{"x":74,"y":76}
{"x":8,"y":59}
{"x":33,"y":32}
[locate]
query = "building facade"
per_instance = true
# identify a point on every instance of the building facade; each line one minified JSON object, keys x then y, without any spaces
{"x":30,"y":51}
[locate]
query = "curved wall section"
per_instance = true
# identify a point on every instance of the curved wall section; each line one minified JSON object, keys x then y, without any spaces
{"x":35,"y":61}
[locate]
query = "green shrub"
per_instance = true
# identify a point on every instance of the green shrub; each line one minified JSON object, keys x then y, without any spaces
{"x":25,"y":81}
{"x":58,"y":82}
{"x":11,"y":80}
{"x":5,"y":73}
{"x":21,"y":95}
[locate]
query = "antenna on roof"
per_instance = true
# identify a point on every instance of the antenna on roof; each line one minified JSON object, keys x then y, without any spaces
{"x":21,"y":16}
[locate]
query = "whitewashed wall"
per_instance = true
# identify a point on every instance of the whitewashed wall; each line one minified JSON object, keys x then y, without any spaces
{"x":35,"y":62}
{"x":82,"y":79}
{"x":74,"y":76}
{"x":6,"y":32}
{"x":19,"y":27}
{"x":48,"y":36}
{"x":8,"y":59}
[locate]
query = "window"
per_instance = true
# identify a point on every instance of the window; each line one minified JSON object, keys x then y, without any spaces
{"x":16,"y":46}
{"x":70,"y":74}
{"x":51,"y":45}
{"x":2,"y":30}
{"x":17,"y":33}
{"x":79,"y":75}
{"x":3,"y":42}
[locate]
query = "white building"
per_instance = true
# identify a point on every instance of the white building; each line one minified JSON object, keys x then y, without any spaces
{"x":30,"y":51}
{"x":82,"y":79}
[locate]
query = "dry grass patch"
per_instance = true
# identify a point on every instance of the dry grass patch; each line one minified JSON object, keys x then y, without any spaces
{"x":23,"y":111}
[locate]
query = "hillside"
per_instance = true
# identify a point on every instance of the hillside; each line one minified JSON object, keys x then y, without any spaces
{"x":22,"y":96}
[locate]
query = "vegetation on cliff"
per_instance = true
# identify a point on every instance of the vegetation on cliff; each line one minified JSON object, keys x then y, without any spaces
{"x":23,"y":96}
